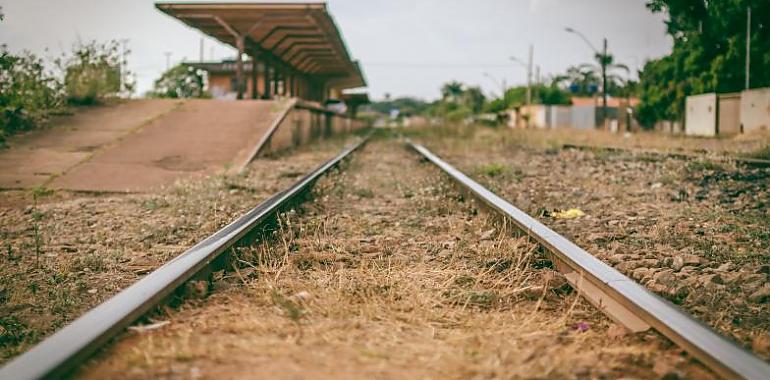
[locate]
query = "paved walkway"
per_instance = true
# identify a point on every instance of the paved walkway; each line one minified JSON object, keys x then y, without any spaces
{"x":34,"y":158}
{"x":138,"y":145}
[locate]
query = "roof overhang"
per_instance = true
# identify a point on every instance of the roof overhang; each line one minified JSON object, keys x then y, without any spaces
{"x":301,"y":37}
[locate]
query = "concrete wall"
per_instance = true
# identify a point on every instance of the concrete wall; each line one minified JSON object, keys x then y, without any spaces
{"x":729,"y":118}
{"x":701,"y":115}
{"x":583,"y":117}
{"x":560,"y":116}
{"x":220,"y":86}
{"x":303,"y":126}
{"x":755,"y":110}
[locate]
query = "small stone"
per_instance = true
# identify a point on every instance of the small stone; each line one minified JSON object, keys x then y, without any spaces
{"x":628,"y":266}
{"x":761,"y":344}
{"x":640,"y":273}
{"x":92,"y":291}
{"x":303,"y":296}
{"x":761,"y":296}
{"x":487,"y":235}
{"x":677,"y":263}
{"x":692,"y":260}
{"x":665,"y":277}
{"x":725,"y":267}
{"x":617,"y":331}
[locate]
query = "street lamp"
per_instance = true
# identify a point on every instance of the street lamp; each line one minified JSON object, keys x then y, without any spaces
{"x":603,"y":61}
{"x":528,"y":66}
{"x":502,"y":84}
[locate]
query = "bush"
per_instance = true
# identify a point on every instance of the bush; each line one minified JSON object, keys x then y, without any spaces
{"x":181,"y":81}
{"x":28,"y":92}
{"x":94,"y":72}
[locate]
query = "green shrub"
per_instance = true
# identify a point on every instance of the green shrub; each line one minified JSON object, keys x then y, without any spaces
{"x":28,"y":92}
{"x":95,"y":72}
{"x":181,"y":81}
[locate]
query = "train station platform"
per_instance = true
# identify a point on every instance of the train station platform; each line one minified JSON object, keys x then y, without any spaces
{"x":138,"y":145}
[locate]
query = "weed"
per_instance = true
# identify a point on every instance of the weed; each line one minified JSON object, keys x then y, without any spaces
{"x":291,"y":309}
{"x":601,"y":153}
{"x":154,"y":204}
{"x":483,"y":300}
{"x":12,"y":331}
{"x":492,"y":170}
{"x":364,"y":193}
{"x":762,"y":153}
{"x":699,"y":166}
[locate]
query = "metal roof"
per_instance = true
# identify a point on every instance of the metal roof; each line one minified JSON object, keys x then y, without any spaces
{"x":302,"y":36}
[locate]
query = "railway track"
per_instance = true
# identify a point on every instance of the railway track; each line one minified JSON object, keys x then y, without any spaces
{"x":619,"y":297}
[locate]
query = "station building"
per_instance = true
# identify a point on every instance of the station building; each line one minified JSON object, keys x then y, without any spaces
{"x":284,"y":49}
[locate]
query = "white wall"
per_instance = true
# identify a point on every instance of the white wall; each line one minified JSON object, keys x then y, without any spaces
{"x":701,"y":115}
{"x":584,"y":117}
{"x":755,"y":109}
{"x":560,"y":117}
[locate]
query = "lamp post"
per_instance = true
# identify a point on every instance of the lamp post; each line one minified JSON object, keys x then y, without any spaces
{"x":502,"y":84}
{"x":528,"y":66}
{"x":603,"y":61}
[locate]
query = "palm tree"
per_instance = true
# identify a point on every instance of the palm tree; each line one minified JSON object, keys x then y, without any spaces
{"x":452,"y":91}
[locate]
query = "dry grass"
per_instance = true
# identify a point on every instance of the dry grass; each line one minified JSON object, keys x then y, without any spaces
{"x":63,"y":253}
{"x":386,"y":275}
{"x":693,"y":231}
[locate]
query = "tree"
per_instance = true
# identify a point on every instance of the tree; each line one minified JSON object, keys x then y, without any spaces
{"x":581,"y":80}
{"x":180,"y":81}
{"x":28,"y":92}
{"x":95,"y":71}
{"x":473,"y":99}
{"x":708,"y":54}
{"x":451,"y":91}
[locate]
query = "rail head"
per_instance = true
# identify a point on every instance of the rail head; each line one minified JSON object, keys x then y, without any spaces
{"x":60,"y":353}
{"x":718,"y":353}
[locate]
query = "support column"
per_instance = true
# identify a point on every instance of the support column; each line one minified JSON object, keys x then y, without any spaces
{"x":254,"y":88}
{"x":276,"y":75}
{"x":239,"y":65}
{"x":292,"y":90}
{"x":266,"y":92}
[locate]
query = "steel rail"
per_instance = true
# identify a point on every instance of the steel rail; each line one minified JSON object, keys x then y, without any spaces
{"x":717,"y":352}
{"x":738,"y":160}
{"x":63,"y":351}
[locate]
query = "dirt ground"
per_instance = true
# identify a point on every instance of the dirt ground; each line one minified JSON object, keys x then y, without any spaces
{"x":389,"y":275}
{"x":749,"y":145}
{"x":62,"y":253}
{"x":694,"y":231}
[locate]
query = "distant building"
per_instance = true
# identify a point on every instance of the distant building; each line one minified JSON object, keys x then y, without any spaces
{"x":583,"y":113}
{"x":712,"y":114}
{"x":222,"y":82}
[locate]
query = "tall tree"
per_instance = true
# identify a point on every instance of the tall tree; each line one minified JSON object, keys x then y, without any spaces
{"x":709,"y":53}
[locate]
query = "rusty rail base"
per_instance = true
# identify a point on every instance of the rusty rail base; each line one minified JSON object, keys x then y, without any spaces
{"x":62,"y":352}
{"x":618,"y":296}
{"x":743,"y":161}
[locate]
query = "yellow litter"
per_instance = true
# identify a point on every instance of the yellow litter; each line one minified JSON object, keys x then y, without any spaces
{"x":568,"y":214}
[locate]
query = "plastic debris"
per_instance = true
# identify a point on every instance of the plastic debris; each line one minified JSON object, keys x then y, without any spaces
{"x":581,"y":326}
{"x":568,"y":214}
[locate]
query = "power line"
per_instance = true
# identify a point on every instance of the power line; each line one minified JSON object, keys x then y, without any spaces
{"x":436,"y":65}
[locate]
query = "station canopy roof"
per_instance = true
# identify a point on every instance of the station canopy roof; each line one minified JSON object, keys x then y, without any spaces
{"x":302,"y":36}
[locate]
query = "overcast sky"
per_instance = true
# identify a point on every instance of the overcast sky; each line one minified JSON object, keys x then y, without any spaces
{"x":407,"y":47}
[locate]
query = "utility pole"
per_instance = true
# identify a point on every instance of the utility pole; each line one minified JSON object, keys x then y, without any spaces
{"x":529,"y":84}
{"x":168,"y":60}
{"x":604,"y":84}
{"x":536,"y":90}
{"x":202,"y":50}
{"x":748,"y":48}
